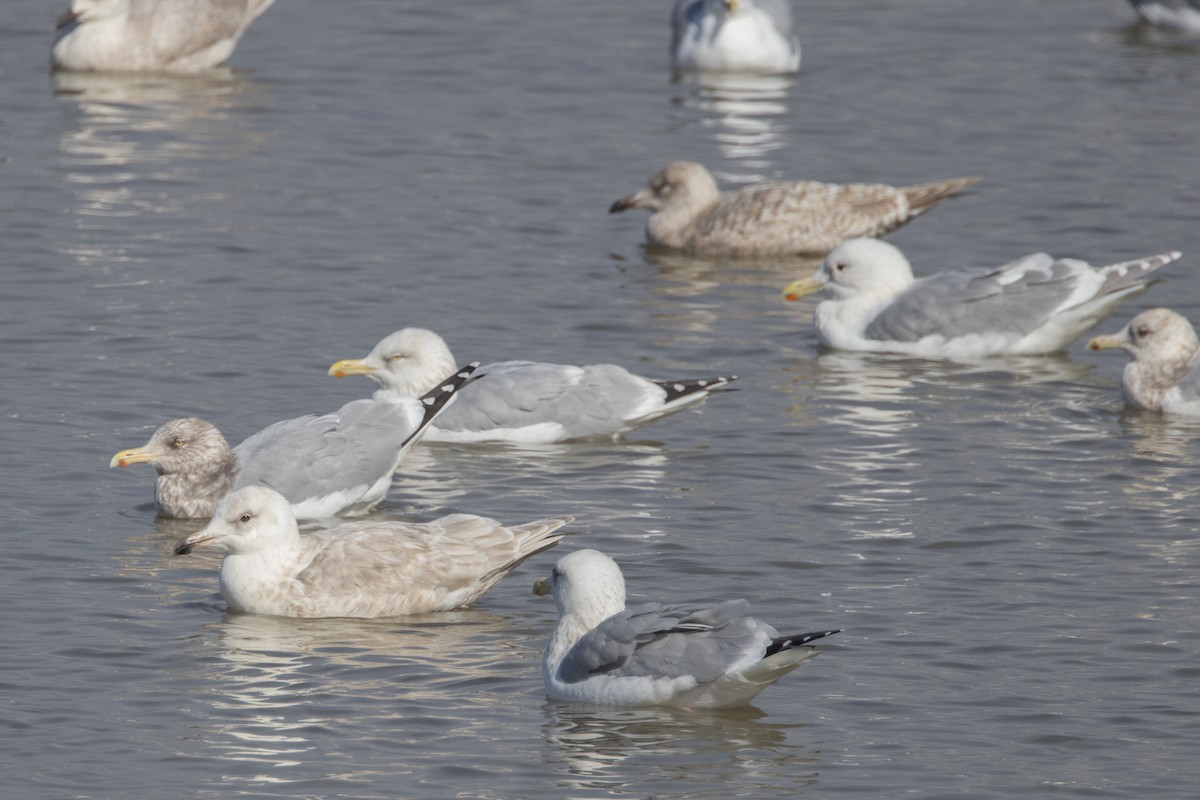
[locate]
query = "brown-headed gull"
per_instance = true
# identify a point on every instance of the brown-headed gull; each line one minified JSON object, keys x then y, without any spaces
{"x":1035,"y":305}
{"x":756,"y":37}
{"x":179,"y":36}
{"x":704,"y":656}
{"x":1164,"y":374}
{"x":786,"y":218}
{"x":327,"y":464}
{"x":359,"y":569}
{"x":524,"y":401}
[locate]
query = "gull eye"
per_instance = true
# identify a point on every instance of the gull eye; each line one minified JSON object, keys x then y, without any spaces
{"x":662,"y":189}
{"x":1142,"y":332}
{"x":394,"y":357}
{"x":840,"y":266}
{"x":178,"y":443}
{"x":246,"y":517}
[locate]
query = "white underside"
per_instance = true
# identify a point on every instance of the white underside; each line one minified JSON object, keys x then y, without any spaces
{"x":1187,"y":19}
{"x":745,"y":43}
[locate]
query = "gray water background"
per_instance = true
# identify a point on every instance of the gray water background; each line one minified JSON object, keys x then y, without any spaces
{"x":1012,"y":556}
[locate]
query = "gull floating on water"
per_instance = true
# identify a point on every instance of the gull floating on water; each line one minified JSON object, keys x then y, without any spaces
{"x":774,"y":219}
{"x":328,"y":464}
{"x":680,"y":655}
{"x":1035,"y":305}
{"x":1182,"y":14}
{"x":524,"y":401}
{"x":1164,"y":374}
{"x":745,"y":36}
{"x":179,"y":36}
{"x":359,"y":569}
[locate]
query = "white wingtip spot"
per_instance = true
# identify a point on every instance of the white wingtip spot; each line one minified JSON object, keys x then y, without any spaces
{"x":679,"y":387}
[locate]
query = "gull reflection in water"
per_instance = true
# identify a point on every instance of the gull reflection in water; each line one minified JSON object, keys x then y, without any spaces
{"x":745,"y":112}
{"x":596,"y":748}
{"x":1163,"y":479}
{"x":883,"y":404}
{"x":141,"y":145}
{"x":282,"y":687}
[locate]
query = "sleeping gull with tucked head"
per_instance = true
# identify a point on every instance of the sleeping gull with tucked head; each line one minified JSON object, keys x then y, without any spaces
{"x":1164,"y":374}
{"x":754,"y":37}
{"x":337,"y":463}
{"x":703,"y":656}
{"x":787,"y":218}
{"x":180,"y":36}
{"x":1035,"y":305}
{"x":524,"y":401}
{"x":359,"y":569}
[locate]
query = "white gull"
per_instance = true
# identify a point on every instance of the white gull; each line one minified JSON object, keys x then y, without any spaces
{"x":1035,"y":305}
{"x":742,"y":36}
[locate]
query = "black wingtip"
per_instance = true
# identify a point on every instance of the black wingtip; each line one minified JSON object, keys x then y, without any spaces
{"x":799,"y":640}
{"x":438,"y":398}
{"x":678,"y":389}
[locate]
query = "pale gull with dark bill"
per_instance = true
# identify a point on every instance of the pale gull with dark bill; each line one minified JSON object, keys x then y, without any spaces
{"x":359,"y":569}
{"x":785,"y":218}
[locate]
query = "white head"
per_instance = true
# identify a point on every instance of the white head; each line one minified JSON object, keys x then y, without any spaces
{"x":252,"y":519}
{"x":408,"y":363}
{"x":856,"y":268}
{"x":587,"y":585}
{"x":1158,"y":334}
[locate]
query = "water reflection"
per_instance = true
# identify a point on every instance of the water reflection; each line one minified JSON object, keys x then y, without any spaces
{"x":746,"y":113}
{"x":140,"y":145}
{"x":282,"y":685}
{"x":595,"y":748}
{"x":1163,"y":478}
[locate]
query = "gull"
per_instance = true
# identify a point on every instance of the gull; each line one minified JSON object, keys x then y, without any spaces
{"x":1164,"y":374}
{"x":744,"y":36}
{"x":1035,"y":305}
{"x":524,"y":401}
{"x":359,"y":569}
{"x":328,"y":464}
{"x":703,"y":656}
{"x":1182,"y":14}
{"x":785,"y":218}
{"x":179,"y":36}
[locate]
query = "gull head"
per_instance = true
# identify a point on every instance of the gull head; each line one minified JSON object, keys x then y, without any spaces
{"x":678,"y":184}
{"x":89,"y":10}
{"x":252,"y":519}
{"x":857,"y":268}
{"x":182,"y":445}
{"x":586,"y":585}
{"x":1158,"y":334}
{"x":408,"y":363}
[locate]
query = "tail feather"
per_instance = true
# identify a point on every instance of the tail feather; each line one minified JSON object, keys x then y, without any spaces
{"x":1131,"y":273}
{"x":536,"y":536}
{"x":679,"y":389}
{"x":925,"y":196}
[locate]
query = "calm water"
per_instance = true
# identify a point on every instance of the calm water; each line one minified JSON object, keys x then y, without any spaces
{"x":1013,"y":558}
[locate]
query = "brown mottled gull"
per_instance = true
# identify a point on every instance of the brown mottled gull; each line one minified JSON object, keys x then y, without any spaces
{"x":337,"y":463}
{"x":524,"y":401}
{"x":1164,"y":374}
{"x":774,"y":219}
{"x":705,"y":656}
{"x":359,"y":569}
{"x":151,"y":35}
{"x":754,"y":37}
{"x":1036,"y":304}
